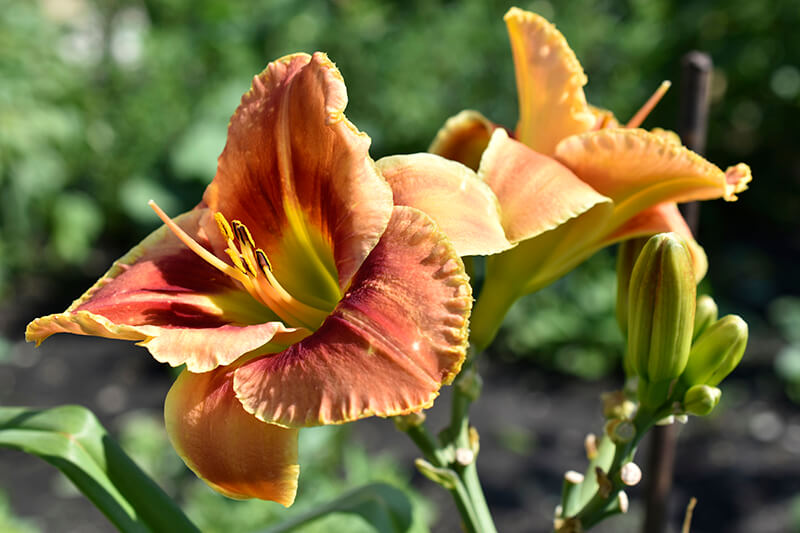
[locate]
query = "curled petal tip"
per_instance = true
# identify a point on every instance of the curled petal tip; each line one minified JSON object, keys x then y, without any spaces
{"x":737,"y":178}
{"x":550,"y":82}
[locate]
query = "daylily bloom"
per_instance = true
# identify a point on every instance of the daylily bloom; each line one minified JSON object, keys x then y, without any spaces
{"x":295,"y":293}
{"x":569,"y":181}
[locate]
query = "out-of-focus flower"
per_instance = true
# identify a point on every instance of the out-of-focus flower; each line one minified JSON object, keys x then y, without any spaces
{"x":570,"y":180}
{"x":295,"y":293}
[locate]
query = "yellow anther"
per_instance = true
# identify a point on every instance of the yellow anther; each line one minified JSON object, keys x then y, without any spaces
{"x":224,"y":227}
{"x":263,"y":261}
{"x":243,"y":234}
{"x":251,"y":264}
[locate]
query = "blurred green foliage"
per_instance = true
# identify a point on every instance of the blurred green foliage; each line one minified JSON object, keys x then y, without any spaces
{"x":9,"y":523}
{"x":570,"y":326}
{"x":107,"y":103}
{"x":784,"y":314}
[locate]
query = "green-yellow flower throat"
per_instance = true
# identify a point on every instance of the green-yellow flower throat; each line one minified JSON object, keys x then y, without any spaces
{"x":251,"y":268}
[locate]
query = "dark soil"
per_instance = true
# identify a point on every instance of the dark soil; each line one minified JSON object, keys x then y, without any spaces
{"x":742,"y":464}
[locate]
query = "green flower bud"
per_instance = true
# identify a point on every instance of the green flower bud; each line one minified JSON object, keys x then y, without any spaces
{"x":700,"y":400}
{"x":627,"y":253}
{"x":716,"y":352}
{"x":661,"y":305}
{"x":704,"y":315}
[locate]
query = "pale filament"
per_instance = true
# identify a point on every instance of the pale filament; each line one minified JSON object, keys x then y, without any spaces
{"x":648,"y":106}
{"x":251,"y":268}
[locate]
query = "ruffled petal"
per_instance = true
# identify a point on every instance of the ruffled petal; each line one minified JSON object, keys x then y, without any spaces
{"x":228,"y":448}
{"x":399,"y":334}
{"x":639,"y":169}
{"x":536,"y":193}
{"x":550,"y":83}
{"x":662,"y":218}
{"x":465,"y":207}
{"x":178,"y":306}
{"x":297,"y":173}
{"x":463,"y":138}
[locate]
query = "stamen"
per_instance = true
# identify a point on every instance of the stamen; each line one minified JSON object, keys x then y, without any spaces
{"x":243,"y":234}
{"x":263,"y":261}
{"x":648,"y":106}
{"x":249,"y":260}
{"x":224,"y":227}
{"x":194,"y":246}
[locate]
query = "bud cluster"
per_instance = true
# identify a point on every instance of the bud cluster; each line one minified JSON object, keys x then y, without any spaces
{"x":677,"y":348}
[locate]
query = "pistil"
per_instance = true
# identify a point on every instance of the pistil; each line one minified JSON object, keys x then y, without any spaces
{"x":648,"y":106}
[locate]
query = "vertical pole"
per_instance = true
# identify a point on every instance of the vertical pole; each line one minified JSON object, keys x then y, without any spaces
{"x":692,"y":126}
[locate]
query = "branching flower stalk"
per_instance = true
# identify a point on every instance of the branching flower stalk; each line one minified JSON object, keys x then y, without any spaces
{"x":450,"y":459}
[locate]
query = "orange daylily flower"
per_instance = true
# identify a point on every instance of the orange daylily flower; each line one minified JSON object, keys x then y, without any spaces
{"x":296,"y":293}
{"x":571,"y":180}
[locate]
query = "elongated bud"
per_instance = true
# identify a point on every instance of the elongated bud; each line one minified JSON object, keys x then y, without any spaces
{"x":661,"y":306}
{"x":627,"y":253}
{"x":705,"y":314}
{"x":716,"y":352}
{"x":700,"y":400}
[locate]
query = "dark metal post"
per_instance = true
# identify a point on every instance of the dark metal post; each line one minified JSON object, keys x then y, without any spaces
{"x":692,"y":127}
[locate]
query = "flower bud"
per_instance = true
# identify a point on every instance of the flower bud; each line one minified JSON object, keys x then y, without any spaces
{"x":630,"y":474}
{"x":700,"y":400}
{"x":627,"y":253}
{"x":705,"y":314}
{"x":661,"y":305}
{"x":716,"y":352}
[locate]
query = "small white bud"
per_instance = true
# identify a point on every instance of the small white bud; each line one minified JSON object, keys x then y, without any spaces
{"x":464,"y":456}
{"x":630,"y":474}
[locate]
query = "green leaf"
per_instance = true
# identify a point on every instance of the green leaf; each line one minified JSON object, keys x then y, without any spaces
{"x":385,"y":507}
{"x":71,"y":439}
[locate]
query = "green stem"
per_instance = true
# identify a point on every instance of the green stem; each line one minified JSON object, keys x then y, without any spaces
{"x":466,"y":487}
{"x":463,"y":500}
{"x":600,"y":507}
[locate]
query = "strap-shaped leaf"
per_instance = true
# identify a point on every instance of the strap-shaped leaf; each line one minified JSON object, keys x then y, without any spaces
{"x":71,"y":439}
{"x":385,"y":507}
